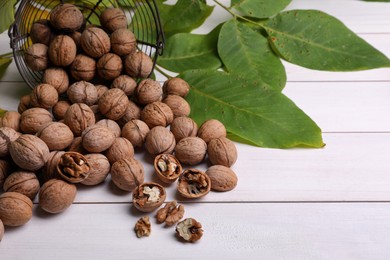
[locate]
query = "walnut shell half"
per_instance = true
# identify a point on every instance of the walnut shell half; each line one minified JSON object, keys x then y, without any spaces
{"x":148,"y":196}
{"x":167,"y":167}
{"x":193,"y":184}
{"x":73,"y":167}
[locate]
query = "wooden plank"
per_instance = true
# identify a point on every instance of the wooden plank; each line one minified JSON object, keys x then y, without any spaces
{"x":231,"y":231}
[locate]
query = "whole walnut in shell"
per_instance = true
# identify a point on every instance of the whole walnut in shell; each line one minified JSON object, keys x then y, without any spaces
{"x":113,"y":19}
{"x":99,"y":169}
{"x":176,"y":86}
{"x":97,"y":138}
{"x":41,"y":32}
{"x":101,"y":89}
{"x":211,"y":129}
{"x":24,"y":103}
{"x":60,"y":108}
{"x":160,"y":140}
{"x":120,"y":149}
{"x":183,"y":127}
{"x":83,"y":67}
{"x":29,"y":152}
{"x":56,"y":135}
{"x":36,"y":57}
{"x":95,"y":42}
{"x":44,"y":96}
{"x":113,"y":103}
{"x":127,"y":174}
{"x":222,"y":151}
{"x":125,"y":83}
{"x":222,"y":178}
{"x":49,"y":170}
{"x":148,"y":91}
{"x":78,"y":117}
{"x":56,"y":196}
{"x":191,"y":150}
{"x":110,"y":124}
{"x":33,"y":119}
{"x":82,"y":92}
{"x":7,"y":135}
{"x":22,"y":182}
{"x":5,"y":170}
{"x":138,"y":65}
{"x":135,"y":131}
{"x":66,"y":17}
{"x":58,"y":78}
{"x":133,"y":111}
{"x":77,"y":146}
{"x":157,"y":114}
{"x":15,"y":209}
{"x":109,"y":66}
{"x":62,"y":50}
{"x":11,"y":119}
{"x":123,"y":42}
{"x":178,"y":105}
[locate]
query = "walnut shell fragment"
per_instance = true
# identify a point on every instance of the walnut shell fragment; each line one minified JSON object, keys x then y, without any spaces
{"x":148,"y":196}
{"x":167,"y":167}
{"x":73,"y":167}
{"x":193,"y":184}
{"x":189,"y":230}
{"x":143,"y":227}
{"x":171,"y":213}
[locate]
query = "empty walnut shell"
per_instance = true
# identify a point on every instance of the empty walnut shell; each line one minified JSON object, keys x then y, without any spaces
{"x":148,"y":196}
{"x":95,"y":42}
{"x":189,"y":230}
{"x":193,"y":184}
{"x":127,"y":174}
{"x":56,"y":196}
{"x":73,"y":167}
{"x":66,"y":17}
{"x":167,"y":167}
{"x":15,"y":209}
{"x":22,"y":182}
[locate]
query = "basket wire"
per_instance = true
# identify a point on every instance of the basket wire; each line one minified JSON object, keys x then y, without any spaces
{"x":142,"y":15}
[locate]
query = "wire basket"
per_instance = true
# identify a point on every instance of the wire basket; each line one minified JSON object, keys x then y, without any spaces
{"x":142,"y":15}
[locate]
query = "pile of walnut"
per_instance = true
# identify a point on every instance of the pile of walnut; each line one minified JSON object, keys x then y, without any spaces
{"x":70,"y":131}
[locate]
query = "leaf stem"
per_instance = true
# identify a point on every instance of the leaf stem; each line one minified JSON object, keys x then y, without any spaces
{"x":162,"y":72}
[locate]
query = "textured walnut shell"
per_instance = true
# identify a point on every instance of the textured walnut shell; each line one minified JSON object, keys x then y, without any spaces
{"x":22,"y":182}
{"x":222,"y":178}
{"x":73,"y":167}
{"x":148,"y":196}
{"x":120,"y":149}
{"x":77,"y":146}
{"x":182,"y":127}
{"x":193,"y":184}
{"x":5,"y":170}
{"x":135,"y":131}
{"x":113,"y":103}
{"x":82,"y":92}
{"x":222,"y":151}
{"x":56,"y":135}
{"x":138,"y":65}
{"x":44,"y":96}
{"x":191,"y":150}
{"x":97,"y":138}
{"x":78,"y":117}
{"x":58,"y":78}
{"x":125,"y":83}
{"x":110,"y":124}
{"x":49,"y":170}
{"x":99,"y":169}
{"x":167,"y":167}
{"x":11,"y":119}
{"x":62,"y":50}
{"x":148,"y":91}
{"x":24,"y":103}
{"x":176,"y":86}
{"x":29,"y":152}
{"x":95,"y":42}
{"x":157,"y":114}
{"x":98,"y":115}
{"x":56,"y":196}
{"x":15,"y":209}
{"x":66,"y":17}
{"x":83,"y":68}
{"x":33,"y":119}
{"x":7,"y":135}
{"x":160,"y":140}
{"x":60,"y":108}
{"x":36,"y":57}
{"x":132,"y":112}
{"x":211,"y":129}
{"x":40,"y":32}
{"x":123,"y":42}
{"x":178,"y":105}
{"x":101,"y":89}
{"x":113,"y":19}
{"x":109,"y":66}
{"x":127,"y":174}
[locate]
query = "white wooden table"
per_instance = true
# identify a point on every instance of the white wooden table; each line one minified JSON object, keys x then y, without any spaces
{"x":330,"y":203}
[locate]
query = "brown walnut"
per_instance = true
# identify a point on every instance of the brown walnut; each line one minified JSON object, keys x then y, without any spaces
{"x":189,"y":230}
{"x":157,"y":114}
{"x":125,"y":83}
{"x":123,"y":42}
{"x":148,"y":91}
{"x":138,"y":65}
{"x":133,"y":111}
{"x":66,"y":17}
{"x":99,"y":169}
{"x":113,"y":19}
{"x":148,"y":196}
{"x":56,"y":135}
{"x":193,"y":184}
{"x":33,"y":119}
{"x":171,"y":213}
{"x":36,"y":57}
{"x":41,"y":32}
{"x":113,"y":103}
{"x":222,"y":151}
{"x":176,"y":86}
{"x":56,"y":196}
{"x":82,"y":92}
{"x":78,"y":117}
{"x":95,"y":42}
{"x":58,"y":78}
{"x":120,"y":149}
{"x":44,"y":96}
{"x":49,"y":170}
{"x":5,"y":170}
{"x":222,"y":178}
{"x":97,"y":138}
{"x":1,"y":230}
{"x":109,"y":66}
{"x":7,"y":135}
{"x":15,"y":209}
{"x":62,"y":50}
{"x":83,"y":67}
{"x":112,"y":125}
{"x":24,"y":103}
{"x":211,"y":129}
{"x":191,"y":150}
{"x":135,"y":131}
{"x":11,"y":119}
{"x":73,"y":167}
{"x":22,"y":182}
{"x":182,"y":127}
{"x":60,"y":109}
{"x":167,"y":167}
{"x":178,"y":105}
{"x":127,"y":174}
{"x":160,"y":140}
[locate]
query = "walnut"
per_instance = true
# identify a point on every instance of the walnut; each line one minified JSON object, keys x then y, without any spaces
{"x":82,"y":92}
{"x":160,"y":140}
{"x":7,"y":135}
{"x":101,"y":89}
{"x":66,"y":17}
{"x":77,"y":146}
{"x":5,"y":170}
{"x":132,"y":112}
{"x":191,"y":150}
{"x":15,"y":209}
{"x":98,"y":115}
{"x":113,"y":19}
{"x":120,"y":149}
{"x":176,"y":86}
{"x":193,"y":184}
{"x":211,"y":129}
{"x":113,"y":103}
{"x":170,"y":214}
{"x":167,"y":167}
{"x":109,"y":66}
{"x":40,"y":32}
{"x":95,"y":42}
{"x":138,"y":65}
{"x":24,"y":103}
{"x":49,"y":170}
{"x":135,"y":131}
{"x":127,"y":174}
{"x":73,"y":167}
{"x":178,"y":105}
{"x":148,"y":196}
{"x":76,"y":36}
{"x":189,"y":230}
{"x":33,"y":119}
{"x":29,"y":152}
{"x":56,"y":135}
{"x":99,"y":169}
{"x":22,"y":182}
{"x":148,"y":91}
{"x":222,"y":151}
{"x":78,"y":117}
{"x":157,"y":114}
{"x":143,"y":227}
{"x":62,"y":50}
{"x":112,"y":125}
{"x":125,"y":83}
{"x":182,"y":127}
{"x":11,"y":119}
{"x":83,"y":67}
{"x":36,"y":57}
{"x":97,"y":138}
{"x":222,"y":178}
{"x":56,"y":196}
{"x":58,"y":78}
{"x":123,"y":42}
{"x":60,"y":109}
{"x":44,"y":96}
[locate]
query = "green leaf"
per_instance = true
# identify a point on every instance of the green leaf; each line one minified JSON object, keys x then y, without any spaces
{"x":259,"y":115}
{"x":259,"y":8}
{"x":2,"y":112}
{"x":184,"y":51}
{"x":7,"y":9}
{"x":246,"y":51}
{"x":184,"y":16}
{"x":4,"y":62}
{"x":316,"y":40}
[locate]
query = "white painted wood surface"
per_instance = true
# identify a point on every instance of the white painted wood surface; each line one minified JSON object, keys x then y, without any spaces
{"x":329,"y":203}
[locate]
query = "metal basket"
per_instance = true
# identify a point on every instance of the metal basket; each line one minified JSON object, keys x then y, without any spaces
{"x":142,"y":15}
